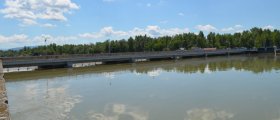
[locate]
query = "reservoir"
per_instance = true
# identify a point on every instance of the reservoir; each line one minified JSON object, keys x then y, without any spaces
{"x":241,"y":87}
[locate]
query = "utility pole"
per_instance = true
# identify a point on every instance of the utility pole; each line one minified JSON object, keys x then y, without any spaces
{"x":45,"y":40}
{"x":47,"y":84}
{"x":109,"y":46}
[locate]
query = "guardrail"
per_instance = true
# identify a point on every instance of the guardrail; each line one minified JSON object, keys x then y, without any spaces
{"x":111,"y":56}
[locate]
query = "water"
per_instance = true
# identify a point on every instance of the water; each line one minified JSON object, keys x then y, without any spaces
{"x":216,"y":88}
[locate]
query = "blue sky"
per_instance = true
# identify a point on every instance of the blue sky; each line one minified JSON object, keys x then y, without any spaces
{"x":28,"y":22}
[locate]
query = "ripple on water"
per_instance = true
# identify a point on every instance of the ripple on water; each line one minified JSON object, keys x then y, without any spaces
{"x":55,"y":105}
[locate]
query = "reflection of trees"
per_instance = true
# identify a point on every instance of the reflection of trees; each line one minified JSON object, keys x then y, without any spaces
{"x":207,"y":114}
{"x":118,"y":112}
{"x":253,"y":64}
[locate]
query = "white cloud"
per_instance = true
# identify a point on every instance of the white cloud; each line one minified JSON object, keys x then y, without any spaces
{"x":90,"y":35}
{"x":236,"y":28}
{"x":16,"y":40}
{"x":228,"y":29}
{"x":174,"y":31}
{"x":270,"y":27}
{"x":19,"y":38}
{"x":137,"y":31}
{"x":156,"y":31}
{"x":181,"y":14}
{"x":29,"y":22}
{"x":108,"y":31}
{"x":103,"y":34}
{"x":48,"y":25}
{"x":207,"y":28}
{"x":152,"y":30}
{"x":30,"y":11}
{"x":53,"y":39}
{"x":149,"y":5}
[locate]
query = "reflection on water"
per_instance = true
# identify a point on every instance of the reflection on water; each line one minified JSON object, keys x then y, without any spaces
{"x":218,"y":88}
{"x":43,"y":104}
{"x":154,"y":73}
{"x":208,"y":114}
{"x":109,"y":75}
{"x":277,"y":119}
{"x":256,"y":64}
{"x":118,"y":112}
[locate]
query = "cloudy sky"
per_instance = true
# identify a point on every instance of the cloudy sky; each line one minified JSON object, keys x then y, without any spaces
{"x":28,"y":22}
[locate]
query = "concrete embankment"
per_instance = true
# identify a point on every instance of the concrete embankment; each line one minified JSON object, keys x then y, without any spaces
{"x":4,"y":110}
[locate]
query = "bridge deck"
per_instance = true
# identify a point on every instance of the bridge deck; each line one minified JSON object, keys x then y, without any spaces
{"x":106,"y":57}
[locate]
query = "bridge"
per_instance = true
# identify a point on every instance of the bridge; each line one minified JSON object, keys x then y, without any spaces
{"x":69,"y":60}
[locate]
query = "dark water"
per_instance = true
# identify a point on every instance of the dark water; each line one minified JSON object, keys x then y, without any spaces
{"x":216,"y":88}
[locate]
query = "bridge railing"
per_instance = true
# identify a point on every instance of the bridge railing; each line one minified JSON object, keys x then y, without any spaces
{"x":113,"y":55}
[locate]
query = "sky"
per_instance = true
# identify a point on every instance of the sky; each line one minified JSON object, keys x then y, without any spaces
{"x":29,"y":22}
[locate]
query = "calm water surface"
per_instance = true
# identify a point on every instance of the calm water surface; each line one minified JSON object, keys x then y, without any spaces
{"x":216,"y":88}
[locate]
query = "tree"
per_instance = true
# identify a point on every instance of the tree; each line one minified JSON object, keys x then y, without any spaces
{"x":255,"y":37}
{"x":131,"y":43}
{"x":201,"y":41}
{"x":211,"y":39}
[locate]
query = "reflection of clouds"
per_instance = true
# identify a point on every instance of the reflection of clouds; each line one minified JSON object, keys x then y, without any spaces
{"x":136,"y":73}
{"x":118,"y":112}
{"x":110,"y":75}
{"x":31,"y":90}
{"x":118,"y":108}
{"x":34,"y":105}
{"x":208,"y":114}
{"x":60,"y":103}
{"x":154,"y":73}
{"x":207,"y":70}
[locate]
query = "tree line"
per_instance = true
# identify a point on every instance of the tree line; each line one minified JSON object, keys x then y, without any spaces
{"x":253,"y":38}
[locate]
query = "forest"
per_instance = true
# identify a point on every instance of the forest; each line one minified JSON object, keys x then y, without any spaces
{"x":253,"y":38}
